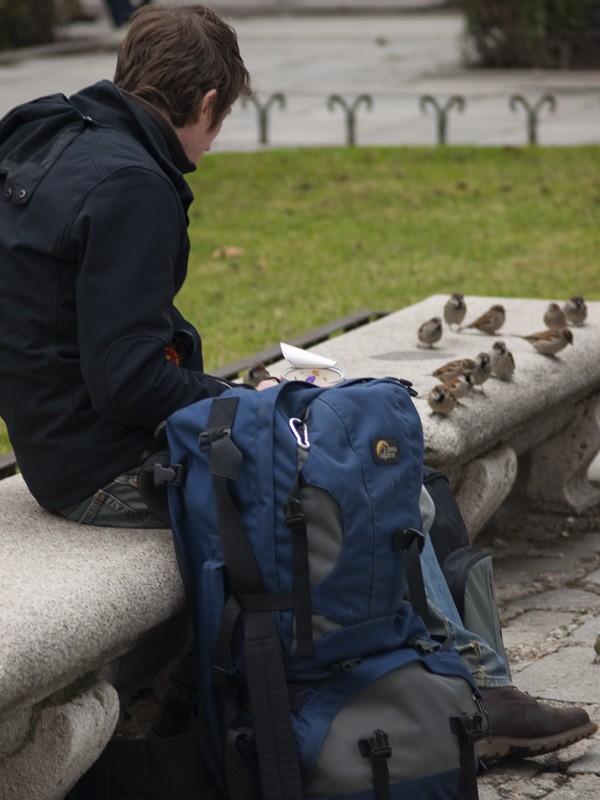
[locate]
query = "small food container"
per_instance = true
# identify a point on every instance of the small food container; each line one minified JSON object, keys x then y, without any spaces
{"x":319,"y":376}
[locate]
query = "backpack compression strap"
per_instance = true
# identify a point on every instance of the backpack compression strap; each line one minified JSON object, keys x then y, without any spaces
{"x":377,"y":748}
{"x":267,"y":685}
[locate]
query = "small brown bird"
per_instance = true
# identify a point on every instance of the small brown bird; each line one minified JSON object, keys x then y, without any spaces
{"x":554,"y":318}
{"x":430,"y":332}
{"x":549,"y":342}
{"x":454,"y":368}
{"x":575,"y":310}
{"x":255,"y":374}
{"x":441,"y":400}
{"x":503,"y":362}
{"x":490,"y":322}
{"x":455,"y":309}
{"x":482,"y":371}
{"x":461,"y":385}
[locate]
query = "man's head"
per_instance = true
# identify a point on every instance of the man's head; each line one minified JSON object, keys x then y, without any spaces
{"x":173,"y":57}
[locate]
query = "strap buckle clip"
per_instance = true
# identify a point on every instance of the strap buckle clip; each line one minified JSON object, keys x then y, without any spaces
{"x":376,"y":747}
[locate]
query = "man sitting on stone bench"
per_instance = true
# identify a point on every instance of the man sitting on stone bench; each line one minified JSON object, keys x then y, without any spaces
{"x":93,"y":250}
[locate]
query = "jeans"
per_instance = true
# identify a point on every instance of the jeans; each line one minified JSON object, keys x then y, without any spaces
{"x":119,"y":504}
{"x":116,"y":505}
{"x":485,"y":665}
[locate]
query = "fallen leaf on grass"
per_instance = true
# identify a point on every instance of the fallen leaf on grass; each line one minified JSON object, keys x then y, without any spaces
{"x":228,"y":251}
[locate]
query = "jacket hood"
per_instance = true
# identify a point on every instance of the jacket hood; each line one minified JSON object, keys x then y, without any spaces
{"x":33,"y":135}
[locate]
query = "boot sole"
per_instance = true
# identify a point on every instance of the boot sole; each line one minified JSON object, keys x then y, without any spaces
{"x":505,"y":747}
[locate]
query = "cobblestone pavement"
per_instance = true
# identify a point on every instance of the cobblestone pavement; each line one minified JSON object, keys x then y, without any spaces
{"x":547,"y":577}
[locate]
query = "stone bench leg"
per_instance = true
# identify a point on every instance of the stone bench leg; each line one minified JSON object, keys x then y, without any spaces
{"x":483,"y":485}
{"x":557,"y":470}
{"x":64,"y":743}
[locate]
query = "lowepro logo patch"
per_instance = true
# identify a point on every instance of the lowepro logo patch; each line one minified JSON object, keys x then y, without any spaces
{"x":386,"y":451}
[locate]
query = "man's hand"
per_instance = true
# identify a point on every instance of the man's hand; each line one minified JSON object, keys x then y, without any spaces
{"x":267,"y":384}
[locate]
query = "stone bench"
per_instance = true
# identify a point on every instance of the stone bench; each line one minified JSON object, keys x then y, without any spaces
{"x":534,"y":437}
{"x":85,"y":613}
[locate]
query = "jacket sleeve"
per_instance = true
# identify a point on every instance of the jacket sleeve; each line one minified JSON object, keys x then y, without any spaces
{"x":132,"y":247}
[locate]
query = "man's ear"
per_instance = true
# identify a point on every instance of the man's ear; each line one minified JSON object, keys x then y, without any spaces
{"x":208,"y":100}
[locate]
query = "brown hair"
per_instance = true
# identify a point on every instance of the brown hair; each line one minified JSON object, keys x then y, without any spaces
{"x":172,"y":56}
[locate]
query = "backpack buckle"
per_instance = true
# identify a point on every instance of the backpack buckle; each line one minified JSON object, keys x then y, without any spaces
{"x":468,"y":725}
{"x":174,"y":475}
{"x":376,"y":747}
{"x":211,"y":435}
{"x":294,"y":513}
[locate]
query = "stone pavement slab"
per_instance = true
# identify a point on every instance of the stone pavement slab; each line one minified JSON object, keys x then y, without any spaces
{"x":549,"y":639}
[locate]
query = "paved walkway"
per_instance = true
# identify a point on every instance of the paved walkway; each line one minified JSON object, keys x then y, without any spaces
{"x":547,"y":577}
{"x":548,"y":570}
{"x":394,"y":58}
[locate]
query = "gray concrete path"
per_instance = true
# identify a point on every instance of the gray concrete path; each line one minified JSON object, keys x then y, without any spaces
{"x":395,"y":58}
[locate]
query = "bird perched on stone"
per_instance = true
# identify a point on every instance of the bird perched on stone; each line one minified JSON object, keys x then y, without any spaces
{"x":549,"y":342}
{"x":462,"y":385}
{"x":255,"y":374}
{"x":575,"y":310}
{"x":480,"y":369}
{"x":452,"y":369}
{"x":455,"y":309}
{"x":502,"y":360}
{"x":597,"y":650}
{"x":430,"y":332}
{"x":491,"y":321}
{"x":483,"y":369}
{"x":554,"y":317}
{"x":441,"y":400}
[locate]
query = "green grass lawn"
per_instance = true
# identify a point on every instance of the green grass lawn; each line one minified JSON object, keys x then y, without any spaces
{"x":328,"y":231}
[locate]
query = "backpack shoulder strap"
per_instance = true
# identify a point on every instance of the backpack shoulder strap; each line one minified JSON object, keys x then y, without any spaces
{"x":267,"y":685}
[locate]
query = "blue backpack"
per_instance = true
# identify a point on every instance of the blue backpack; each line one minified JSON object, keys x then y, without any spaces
{"x":297,"y":524}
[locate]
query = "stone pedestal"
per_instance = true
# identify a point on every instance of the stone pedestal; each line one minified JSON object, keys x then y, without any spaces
{"x":64,"y":742}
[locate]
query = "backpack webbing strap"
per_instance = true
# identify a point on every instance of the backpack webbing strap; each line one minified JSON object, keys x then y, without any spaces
{"x":377,"y":748}
{"x":269,"y":700}
{"x":265,"y":674}
{"x":411,"y":543}
{"x":468,"y":729}
{"x":296,"y":522}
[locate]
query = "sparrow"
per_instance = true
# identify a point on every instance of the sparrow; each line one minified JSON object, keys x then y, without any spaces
{"x":430,"y":332}
{"x":482,"y":371}
{"x":461,"y":385}
{"x":549,"y":342}
{"x":575,"y":310}
{"x":554,"y":317}
{"x":455,"y":309}
{"x":255,"y":374}
{"x":491,"y":321}
{"x":453,"y":369}
{"x":503,"y":362}
{"x":441,"y":400}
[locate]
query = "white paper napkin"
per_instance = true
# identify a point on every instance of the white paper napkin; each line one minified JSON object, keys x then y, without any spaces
{"x":299,"y":358}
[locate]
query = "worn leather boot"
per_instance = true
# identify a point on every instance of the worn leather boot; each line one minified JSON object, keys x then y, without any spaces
{"x":520,"y":726}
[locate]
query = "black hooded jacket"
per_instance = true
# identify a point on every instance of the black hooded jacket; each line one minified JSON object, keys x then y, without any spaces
{"x":93,"y":249}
